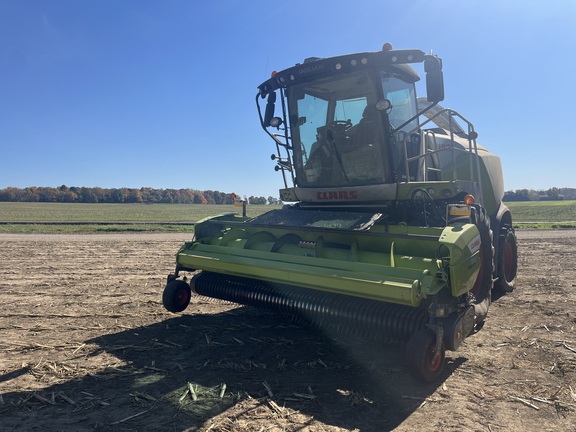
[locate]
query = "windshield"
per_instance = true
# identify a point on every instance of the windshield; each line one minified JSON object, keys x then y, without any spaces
{"x":337,"y":132}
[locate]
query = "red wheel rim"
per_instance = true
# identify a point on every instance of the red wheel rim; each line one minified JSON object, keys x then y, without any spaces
{"x":434,"y":364}
{"x":181,"y":297}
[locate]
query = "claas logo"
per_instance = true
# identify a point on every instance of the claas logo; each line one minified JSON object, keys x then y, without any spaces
{"x":337,"y":195}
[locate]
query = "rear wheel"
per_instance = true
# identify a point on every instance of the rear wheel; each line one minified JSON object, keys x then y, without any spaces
{"x":507,"y":259}
{"x":176,"y":296}
{"x":423,"y":358}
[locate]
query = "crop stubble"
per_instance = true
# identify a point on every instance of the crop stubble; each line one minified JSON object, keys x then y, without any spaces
{"x":85,"y":344}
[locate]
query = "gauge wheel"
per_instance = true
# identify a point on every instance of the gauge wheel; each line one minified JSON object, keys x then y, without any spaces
{"x":423,"y":359}
{"x":507,"y":260}
{"x":176,"y":296}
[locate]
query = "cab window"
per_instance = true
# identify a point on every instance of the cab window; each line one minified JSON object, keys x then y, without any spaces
{"x":403,"y":98}
{"x":315,"y":112}
{"x":350,"y":109}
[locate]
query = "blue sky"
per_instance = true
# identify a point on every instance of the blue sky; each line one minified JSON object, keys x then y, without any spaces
{"x":132,"y":93}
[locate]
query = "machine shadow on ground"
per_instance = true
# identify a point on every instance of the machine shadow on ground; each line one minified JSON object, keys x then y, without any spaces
{"x":188,"y":372}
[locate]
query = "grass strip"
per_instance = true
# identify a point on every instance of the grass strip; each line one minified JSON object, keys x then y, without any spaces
{"x":89,"y":228}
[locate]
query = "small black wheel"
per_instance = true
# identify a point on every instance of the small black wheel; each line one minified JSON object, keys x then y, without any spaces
{"x":507,"y":260}
{"x":423,"y":359}
{"x":176,"y":296}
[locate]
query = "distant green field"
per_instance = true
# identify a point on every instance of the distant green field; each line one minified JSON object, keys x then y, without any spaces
{"x":55,"y":217}
{"x":544,"y":214}
{"x":55,"y":212}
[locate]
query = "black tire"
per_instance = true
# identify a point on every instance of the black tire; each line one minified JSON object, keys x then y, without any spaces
{"x":507,"y":259}
{"x":176,"y":296}
{"x":482,"y":289}
{"x":421,"y":359}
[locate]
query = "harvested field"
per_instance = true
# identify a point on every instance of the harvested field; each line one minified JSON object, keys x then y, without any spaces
{"x":86,"y":345}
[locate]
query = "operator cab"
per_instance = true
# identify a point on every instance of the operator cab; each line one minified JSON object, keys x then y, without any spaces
{"x":338,"y":127}
{"x":345,"y":122}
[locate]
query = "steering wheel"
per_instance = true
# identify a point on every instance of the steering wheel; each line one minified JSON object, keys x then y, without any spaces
{"x":341,"y":124}
{"x":336,"y":130}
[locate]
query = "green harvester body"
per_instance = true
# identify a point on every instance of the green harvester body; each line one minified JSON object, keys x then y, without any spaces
{"x":393,"y":225}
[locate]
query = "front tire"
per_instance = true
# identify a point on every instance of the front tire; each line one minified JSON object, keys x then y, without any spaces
{"x":482,"y":289}
{"x":507,"y":259}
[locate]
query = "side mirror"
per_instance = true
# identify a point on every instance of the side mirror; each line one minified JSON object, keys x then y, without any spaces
{"x":434,"y":79}
{"x":270,"y":106}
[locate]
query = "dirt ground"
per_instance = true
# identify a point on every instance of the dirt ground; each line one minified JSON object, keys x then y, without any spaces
{"x":85,"y":345}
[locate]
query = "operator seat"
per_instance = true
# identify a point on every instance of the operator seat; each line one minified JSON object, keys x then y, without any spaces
{"x":363,"y":162}
{"x":367,"y":133}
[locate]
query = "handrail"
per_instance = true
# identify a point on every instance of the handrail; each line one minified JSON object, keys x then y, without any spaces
{"x":426,"y":152}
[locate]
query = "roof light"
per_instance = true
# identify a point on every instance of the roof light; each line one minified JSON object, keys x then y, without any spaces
{"x":273,"y":74}
{"x":387,"y":47}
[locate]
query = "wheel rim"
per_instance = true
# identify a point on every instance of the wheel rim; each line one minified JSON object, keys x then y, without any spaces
{"x":433,"y":363}
{"x":181,"y":297}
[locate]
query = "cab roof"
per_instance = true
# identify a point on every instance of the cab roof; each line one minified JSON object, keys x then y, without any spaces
{"x":314,"y":68}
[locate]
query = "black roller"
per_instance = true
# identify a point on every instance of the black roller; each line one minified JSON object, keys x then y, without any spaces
{"x":381,"y":321}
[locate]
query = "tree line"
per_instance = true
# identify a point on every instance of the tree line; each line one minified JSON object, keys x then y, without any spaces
{"x":552,"y":194}
{"x":144,"y":195}
{"x":149,"y":195}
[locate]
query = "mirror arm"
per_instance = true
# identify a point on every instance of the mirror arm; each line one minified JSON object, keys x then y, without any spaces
{"x":273,"y":136}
